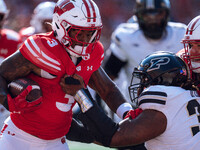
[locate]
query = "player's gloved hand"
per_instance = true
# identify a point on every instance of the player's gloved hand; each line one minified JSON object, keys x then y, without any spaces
{"x":94,"y":118}
{"x":78,"y":132}
{"x":71,"y":84}
{"x":20,"y":105}
{"x":132,"y":114}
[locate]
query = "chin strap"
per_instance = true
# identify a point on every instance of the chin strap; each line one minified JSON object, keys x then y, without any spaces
{"x":79,"y":49}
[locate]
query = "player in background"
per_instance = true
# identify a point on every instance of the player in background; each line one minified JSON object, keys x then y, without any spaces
{"x":61,"y":62}
{"x":191,"y":51}
{"x":149,"y":31}
{"x":9,"y":39}
{"x":40,"y":21}
{"x":170,"y":105}
{"x":9,"y":43}
{"x":131,"y":42}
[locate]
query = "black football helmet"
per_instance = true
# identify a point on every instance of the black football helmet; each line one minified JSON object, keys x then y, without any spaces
{"x":152,"y":16}
{"x":160,"y":68}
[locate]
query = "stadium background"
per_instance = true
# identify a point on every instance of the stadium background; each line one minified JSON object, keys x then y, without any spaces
{"x":113,"y":13}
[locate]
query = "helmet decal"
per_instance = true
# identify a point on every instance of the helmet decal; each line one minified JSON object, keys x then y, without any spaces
{"x":157,"y":62}
{"x":89,"y":10}
{"x":192,"y":26}
{"x":63,"y":7}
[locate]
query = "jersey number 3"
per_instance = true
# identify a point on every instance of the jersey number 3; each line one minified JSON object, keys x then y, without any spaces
{"x":193,"y":108}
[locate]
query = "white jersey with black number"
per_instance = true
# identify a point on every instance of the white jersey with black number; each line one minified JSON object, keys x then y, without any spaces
{"x":182,"y":110}
{"x":129,"y":44}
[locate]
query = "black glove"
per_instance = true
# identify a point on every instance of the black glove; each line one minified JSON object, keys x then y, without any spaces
{"x":92,"y":116}
{"x":79,"y":133}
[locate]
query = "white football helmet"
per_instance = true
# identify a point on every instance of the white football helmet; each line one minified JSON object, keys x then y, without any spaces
{"x":43,"y":11}
{"x":3,"y":12}
{"x":78,"y":15}
{"x":192,"y":36}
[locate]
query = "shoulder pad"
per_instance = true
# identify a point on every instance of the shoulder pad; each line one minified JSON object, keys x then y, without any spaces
{"x":153,"y":97}
{"x":26,"y":32}
{"x":177,"y":25}
{"x":98,"y":53}
{"x":123,"y":31}
{"x":39,"y":54}
{"x":11,"y":34}
{"x":99,"y":47}
{"x":101,"y":51}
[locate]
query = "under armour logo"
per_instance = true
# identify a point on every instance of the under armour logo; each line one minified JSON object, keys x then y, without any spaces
{"x":89,"y":68}
{"x":78,"y":68}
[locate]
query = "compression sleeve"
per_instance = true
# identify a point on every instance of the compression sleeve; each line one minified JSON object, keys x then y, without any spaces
{"x":114,"y":65}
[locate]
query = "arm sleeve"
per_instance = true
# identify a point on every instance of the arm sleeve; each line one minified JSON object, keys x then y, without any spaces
{"x":114,"y":65}
{"x":79,"y":133}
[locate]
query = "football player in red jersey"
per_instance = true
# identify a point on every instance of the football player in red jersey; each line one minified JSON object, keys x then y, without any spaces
{"x":9,"y":39}
{"x":41,"y":19}
{"x":9,"y":42}
{"x":61,"y":62}
{"x":191,"y":51}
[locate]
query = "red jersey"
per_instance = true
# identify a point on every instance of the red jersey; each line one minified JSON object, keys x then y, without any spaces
{"x":54,"y":118}
{"x":10,"y":42}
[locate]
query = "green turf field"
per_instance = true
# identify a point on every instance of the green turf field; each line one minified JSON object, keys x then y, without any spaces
{"x":82,"y":146}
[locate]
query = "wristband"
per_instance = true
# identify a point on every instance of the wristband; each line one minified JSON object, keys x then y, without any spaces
{"x":122,"y":109}
{"x":84,"y":101}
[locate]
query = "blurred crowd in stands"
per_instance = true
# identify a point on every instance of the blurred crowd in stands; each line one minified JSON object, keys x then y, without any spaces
{"x":113,"y":13}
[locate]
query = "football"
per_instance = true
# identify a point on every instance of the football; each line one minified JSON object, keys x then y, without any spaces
{"x":19,"y":85}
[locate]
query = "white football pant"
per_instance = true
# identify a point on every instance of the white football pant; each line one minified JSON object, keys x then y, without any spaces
{"x":3,"y":115}
{"x":12,"y":138}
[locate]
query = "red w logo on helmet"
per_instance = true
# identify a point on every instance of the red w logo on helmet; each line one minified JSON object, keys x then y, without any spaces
{"x":63,"y":6}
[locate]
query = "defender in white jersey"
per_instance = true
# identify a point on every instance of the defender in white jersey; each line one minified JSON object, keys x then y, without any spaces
{"x":131,"y":42}
{"x":165,"y":87}
{"x":171,"y":108}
